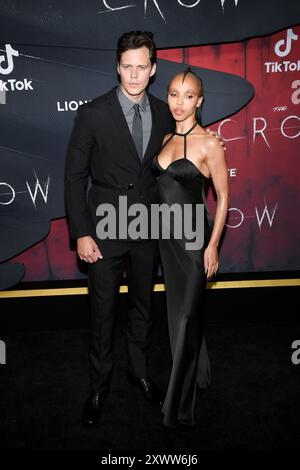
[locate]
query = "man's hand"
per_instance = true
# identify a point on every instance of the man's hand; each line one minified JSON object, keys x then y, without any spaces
{"x":87,"y":249}
{"x":217,"y":136}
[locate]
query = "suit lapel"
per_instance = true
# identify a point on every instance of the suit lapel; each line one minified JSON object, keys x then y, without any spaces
{"x":122,"y":126}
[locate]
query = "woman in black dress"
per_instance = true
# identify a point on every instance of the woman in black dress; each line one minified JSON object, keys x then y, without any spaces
{"x":189,"y":159}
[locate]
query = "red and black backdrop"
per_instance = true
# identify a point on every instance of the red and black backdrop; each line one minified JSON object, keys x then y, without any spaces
{"x":55,"y":55}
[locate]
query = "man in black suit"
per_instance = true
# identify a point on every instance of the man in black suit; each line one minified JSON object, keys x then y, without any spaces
{"x":114,"y":140}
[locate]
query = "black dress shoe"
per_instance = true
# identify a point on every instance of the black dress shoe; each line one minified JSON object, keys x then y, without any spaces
{"x":184,"y":427}
{"x":150,"y":390}
{"x":93,"y":408}
{"x":178,"y":426}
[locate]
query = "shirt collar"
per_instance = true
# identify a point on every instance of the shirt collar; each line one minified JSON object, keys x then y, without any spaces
{"x":127,"y":104}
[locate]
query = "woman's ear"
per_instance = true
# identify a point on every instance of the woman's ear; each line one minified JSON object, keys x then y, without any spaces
{"x":199,"y":101}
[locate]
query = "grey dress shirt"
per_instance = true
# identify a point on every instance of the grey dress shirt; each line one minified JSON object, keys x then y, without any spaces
{"x":145,"y":112}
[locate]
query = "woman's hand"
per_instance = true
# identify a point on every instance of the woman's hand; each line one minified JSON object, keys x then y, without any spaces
{"x":211,"y":261}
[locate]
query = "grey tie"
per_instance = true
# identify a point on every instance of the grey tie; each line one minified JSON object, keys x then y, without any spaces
{"x":137,"y":131}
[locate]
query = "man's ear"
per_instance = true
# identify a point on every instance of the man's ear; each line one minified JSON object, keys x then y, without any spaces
{"x":153,"y":70}
{"x":118,"y":67}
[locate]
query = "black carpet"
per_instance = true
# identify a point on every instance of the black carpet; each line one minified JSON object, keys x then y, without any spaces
{"x":252,"y":404}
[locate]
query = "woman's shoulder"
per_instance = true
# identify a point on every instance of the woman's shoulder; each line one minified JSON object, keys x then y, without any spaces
{"x":166,"y":137}
{"x":210,"y":139}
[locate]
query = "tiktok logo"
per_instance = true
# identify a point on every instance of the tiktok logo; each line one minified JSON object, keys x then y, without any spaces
{"x":10,"y":52}
{"x":11,"y":84}
{"x":283,"y":47}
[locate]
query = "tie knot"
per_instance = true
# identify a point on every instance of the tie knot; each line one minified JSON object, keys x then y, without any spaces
{"x":136,"y":108}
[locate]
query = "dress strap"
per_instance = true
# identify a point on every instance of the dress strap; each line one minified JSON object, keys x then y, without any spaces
{"x":185,"y":135}
{"x":172,"y":135}
{"x":187,"y":132}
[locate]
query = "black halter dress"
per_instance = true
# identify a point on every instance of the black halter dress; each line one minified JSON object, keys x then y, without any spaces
{"x":185,"y":280}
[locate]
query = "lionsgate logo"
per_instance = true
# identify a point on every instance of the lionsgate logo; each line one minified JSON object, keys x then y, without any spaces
{"x":73,"y":105}
{"x":160,"y":221}
{"x":6,"y":67}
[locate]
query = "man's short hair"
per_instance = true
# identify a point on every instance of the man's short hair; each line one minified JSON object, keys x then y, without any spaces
{"x":136,"y":40}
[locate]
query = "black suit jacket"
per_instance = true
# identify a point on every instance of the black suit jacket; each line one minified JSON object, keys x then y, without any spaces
{"x":101,"y":146}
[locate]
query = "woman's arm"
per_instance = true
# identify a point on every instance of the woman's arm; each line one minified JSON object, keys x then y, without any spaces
{"x":216,"y":162}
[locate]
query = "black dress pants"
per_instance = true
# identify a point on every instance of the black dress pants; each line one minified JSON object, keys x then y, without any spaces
{"x":140,"y":260}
